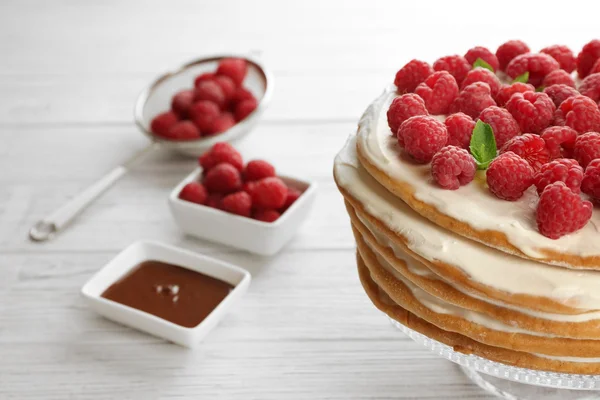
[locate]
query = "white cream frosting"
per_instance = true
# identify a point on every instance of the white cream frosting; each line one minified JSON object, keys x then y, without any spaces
{"x":577,"y":288}
{"x":473,"y":203}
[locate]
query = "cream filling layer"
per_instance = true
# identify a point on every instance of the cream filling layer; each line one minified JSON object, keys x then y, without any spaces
{"x":473,"y":203}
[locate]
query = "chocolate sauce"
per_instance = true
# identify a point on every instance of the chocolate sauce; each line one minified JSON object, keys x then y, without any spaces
{"x":173,"y":293}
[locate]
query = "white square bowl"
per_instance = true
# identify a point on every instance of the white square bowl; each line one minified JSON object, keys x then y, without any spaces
{"x":264,"y":238}
{"x":141,"y":251}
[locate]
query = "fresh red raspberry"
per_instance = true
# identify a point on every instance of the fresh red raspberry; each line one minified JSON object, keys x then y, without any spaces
{"x":587,"y":57}
{"x":505,"y":93}
{"x":482,"y":75}
{"x":211,"y":91}
{"x":266,"y":215}
{"x":223,"y":178}
{"x":473,"y":99}
{"x":560,"y":170}
{"x":533,"y":111}
{"x":558,"y":77}
{"x":580,"y":113}
{"x":292,"y":195}
{"x":240,"y":95}
{"x":227,"y":86}
{"x":207,"y":76}
{"x":258,"y":169}
{"x":596,"y":68}
{"x":460,"y":128}
{"x":402,"y":108}
{"x":590,"y":87}
{"x":234,"y":68}
{"x":214,"y":200}
{"x":161,"y":124}
{"x":458,"y":66}
{"x":508,"y":176}
{"x":422,"y":136}
{"x":244,"y":108}
{"x":538,"y":65}
{"x":438,"y":91}
{"x":483,"y":53}
{"x":221,"y":152}
{"x":587,"y":148}
{"x":502,"y":122}
{"x":559,"y":93}
{"x":248,"y":187}
{"x":181,"y":102}
{"x":269,"y":194}
{"x":590,"y":184}
{"x":239,"y":203}
{"x":529,"y":147}
{"x":183,"y":130}
{"x":562,"y":54}
{"x":509,"y":50}
{"x":560,"y":141}
{"x":222,"y":123}
{"x":194,"y":192}
{"x":452,"y":167}
{"x":560,"y":211}
{"x":411,"y":75}
{"x":202,"y":113}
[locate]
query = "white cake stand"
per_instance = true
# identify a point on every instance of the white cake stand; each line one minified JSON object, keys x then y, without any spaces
{"x":510,"y":382}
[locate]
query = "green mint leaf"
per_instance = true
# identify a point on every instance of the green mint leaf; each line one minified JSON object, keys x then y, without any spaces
{"x":540,"y":89}
{"x":522,"y":78}
{"x":480,"y":63}
{"x":483,"y":144}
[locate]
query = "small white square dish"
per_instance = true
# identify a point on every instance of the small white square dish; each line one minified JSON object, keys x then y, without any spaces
{"x":127,"y":261}
{"x":264,"y":238}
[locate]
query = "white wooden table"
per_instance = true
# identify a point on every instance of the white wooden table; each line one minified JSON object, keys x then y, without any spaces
{"x":69,"y":74}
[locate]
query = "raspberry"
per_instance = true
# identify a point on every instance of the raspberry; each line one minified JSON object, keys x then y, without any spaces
{"x":559,"y":93}
{"x":560,"y":141}
{"x":483,"y":53}
{"x":194,"y":192}
{"x":248,"y":186}
{"x":460,"y":128}
{"x":587,"y":148}
{"x":452,"y":167}
{"x":482,"y":75}
{"x":538,"y":66}
{"x":402,"y":108}
{"x":161,"y":124}
{"x":266,"y":215}
{"x":596,"y":68}
{"x":183,"y":130}
{"x":507,"y":91}
{"x":292,"y":196}
{"x":244,"y":108}
{"x":211,"y":91}
{"x":181,"y":102}
{"x":223,"y":178}
{"x":562,"y":54}
{"x":560,"y":170}
{"x":411,"y":75}
{"x":473,"y":99}
{"x":269,"y":194}
{"x":502,"y":122}
{"x":587,"y":57}
{"x":258,"y":169}
{"x":214,"y":200}
{"x":580,"y":113}
{"x":533,"y":111}
{"x":508,"y":176}
{"x":202,"y":113}
{"x":240,"y":95}
{"x":438,"y":91}
{"x":207,"y":76}
{"x":227,"y":85}
{"x":234,"y":68}
{"x":458,"y":66}
{"x":222,"y":123}
{"x":558,"y":77}
{"x":560,"y":211}
{"x":422,"y":136}
{"x":590,"y":87}
{"x":221,"y":152}
{"x":509,"y":50}
{"x":590,"y":184}
{"x":529,"y":147}
{"x":239,"y":203}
